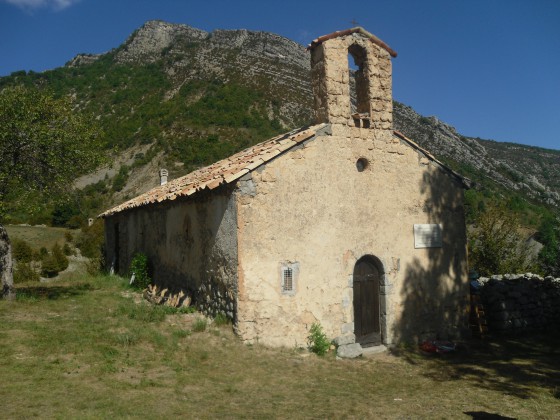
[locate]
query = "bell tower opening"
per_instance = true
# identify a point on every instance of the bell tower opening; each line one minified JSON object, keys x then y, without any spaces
{"x":358,"y":77}
{"x":351,"y":79}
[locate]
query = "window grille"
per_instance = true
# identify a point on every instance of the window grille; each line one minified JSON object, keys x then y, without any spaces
{"x":287,"y":279}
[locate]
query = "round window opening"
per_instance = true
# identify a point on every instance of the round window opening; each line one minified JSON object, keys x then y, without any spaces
{"x":362,"y":164}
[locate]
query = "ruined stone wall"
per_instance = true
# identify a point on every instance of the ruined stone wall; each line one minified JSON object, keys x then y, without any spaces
{"x":191,"y":245}
{"x":313,"y":209}
{"x":520,"y":303}
{"x":331,"y":81}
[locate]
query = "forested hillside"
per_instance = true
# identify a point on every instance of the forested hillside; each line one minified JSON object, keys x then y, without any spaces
{"x":178,"y":97}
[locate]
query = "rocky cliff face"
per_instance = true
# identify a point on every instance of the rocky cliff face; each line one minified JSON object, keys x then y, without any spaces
{"x":532,"y":170}
{"x":280,"y":69}
{"x":273,"y":63}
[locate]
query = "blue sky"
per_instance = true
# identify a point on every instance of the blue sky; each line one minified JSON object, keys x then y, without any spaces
{"x":491,"y":68}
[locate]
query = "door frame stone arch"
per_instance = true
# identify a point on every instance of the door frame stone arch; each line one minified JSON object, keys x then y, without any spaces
{"x":381,"y":292}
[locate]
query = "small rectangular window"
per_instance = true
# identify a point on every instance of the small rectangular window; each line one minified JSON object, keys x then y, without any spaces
{"x":288,"y":277}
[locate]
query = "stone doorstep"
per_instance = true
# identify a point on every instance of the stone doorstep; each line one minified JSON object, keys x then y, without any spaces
{"x":351,"y":351}
{"x":369,"y":351}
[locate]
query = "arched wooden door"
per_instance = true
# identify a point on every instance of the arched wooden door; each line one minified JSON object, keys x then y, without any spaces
{"x":367,"y":279}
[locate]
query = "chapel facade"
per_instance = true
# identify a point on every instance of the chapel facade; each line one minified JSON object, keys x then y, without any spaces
{"x":345,"y":223}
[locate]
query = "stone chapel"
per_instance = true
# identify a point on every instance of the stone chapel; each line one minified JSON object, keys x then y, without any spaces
{"x":345,"y":223}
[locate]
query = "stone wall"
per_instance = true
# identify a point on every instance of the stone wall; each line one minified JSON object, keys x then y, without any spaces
{"x":519,"y":303}
{"x":331,"y":82}
{"x":190,"y":244}
{"x":314,"y":207}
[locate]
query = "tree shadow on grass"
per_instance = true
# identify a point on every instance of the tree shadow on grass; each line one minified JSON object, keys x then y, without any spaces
{"x":434,"y":296}
{"x":513,"y":366}
{"x":51,"y":292}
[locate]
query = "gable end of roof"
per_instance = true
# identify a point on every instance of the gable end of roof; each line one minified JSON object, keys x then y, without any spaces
{"x":357,"y":29}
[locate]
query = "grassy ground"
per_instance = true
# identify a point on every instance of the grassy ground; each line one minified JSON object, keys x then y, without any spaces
{"x":84,"y":347}
{"x":39,"y":236}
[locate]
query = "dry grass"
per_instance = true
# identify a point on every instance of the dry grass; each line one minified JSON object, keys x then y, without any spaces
{"x":84,"y":348}
{"x":39,"y":236}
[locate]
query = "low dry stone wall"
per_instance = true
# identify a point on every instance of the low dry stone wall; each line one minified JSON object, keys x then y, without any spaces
{"x":519,"y":303}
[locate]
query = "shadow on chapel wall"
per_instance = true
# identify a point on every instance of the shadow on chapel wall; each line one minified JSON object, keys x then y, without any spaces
{"x":436,"y":309}
{"x":434,"y":295}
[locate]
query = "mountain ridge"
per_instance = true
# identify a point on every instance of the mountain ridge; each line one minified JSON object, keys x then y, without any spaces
{"x":197,"y":96}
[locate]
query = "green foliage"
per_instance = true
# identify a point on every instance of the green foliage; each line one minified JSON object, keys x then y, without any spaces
{"x":549,"y":236}
{"x":496,"y":246}
{"x":221,"y":319}
{"x":49,"y":267}
{"x":200,"y":325}
{"x":67,"y":249}
{"x":60,"y":258}
{"x":65,"y":212}
{"x":22,"y":251}
{"x":144,"y":313}
{"x":55,"y":262}
{"x":139,"y":268}
{"x":44,"y":143}
{"x":90,"y":240}
{"x":95,"y":266}
{"x":317,"y":340}
{"x":120,"y":179}
{"x":24,"y":272}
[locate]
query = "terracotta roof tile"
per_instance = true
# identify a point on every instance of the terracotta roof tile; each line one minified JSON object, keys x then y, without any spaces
{"x":223,"y":172}
{"x":357,"y":29}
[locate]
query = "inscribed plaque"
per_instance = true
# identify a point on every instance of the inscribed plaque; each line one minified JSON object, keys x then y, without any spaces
{"x":427,"y":236}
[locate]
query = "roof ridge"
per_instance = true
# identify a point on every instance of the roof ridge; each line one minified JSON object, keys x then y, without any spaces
{"x":356,"y":29}
{"x":224,"y":171}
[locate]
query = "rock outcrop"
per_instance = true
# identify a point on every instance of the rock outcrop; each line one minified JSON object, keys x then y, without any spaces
{"x":280,"y":68}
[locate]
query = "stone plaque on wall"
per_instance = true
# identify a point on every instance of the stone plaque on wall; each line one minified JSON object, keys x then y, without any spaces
{"x":427,"y":236}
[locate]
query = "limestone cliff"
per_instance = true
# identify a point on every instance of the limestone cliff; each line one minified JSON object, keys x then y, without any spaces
{"x":277,"y":70}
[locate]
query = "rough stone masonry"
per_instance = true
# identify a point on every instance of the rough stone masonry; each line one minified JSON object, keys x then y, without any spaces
{"x":520,"y":303}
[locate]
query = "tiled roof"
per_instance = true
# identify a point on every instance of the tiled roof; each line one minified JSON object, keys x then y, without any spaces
{"x":223,"y":172}
{"x":234,"y":167}
{"x":357,"y":29}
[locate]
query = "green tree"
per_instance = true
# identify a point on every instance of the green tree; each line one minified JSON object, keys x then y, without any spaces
{"x":497,"y":246}
{"x":549,"y":236}
{"x":44,"y":144}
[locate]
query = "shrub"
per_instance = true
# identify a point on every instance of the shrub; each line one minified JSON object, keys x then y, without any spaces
{"x":317,"y":340}
{"x":49,"y":267}
{"x":200,"y":325}
{"x":95,"y":266}
{"x":121,"y":178}
{"x":21,"y":251}
{"x":497,"y":247}
{"x":90,"y":240}
{"x":54,"y":263}
{"x":67,"y":249}
{"x":59,"y":257}
{"x":139,"y":268}
{"x":63,"y":212}
{"x":24,"y":272}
